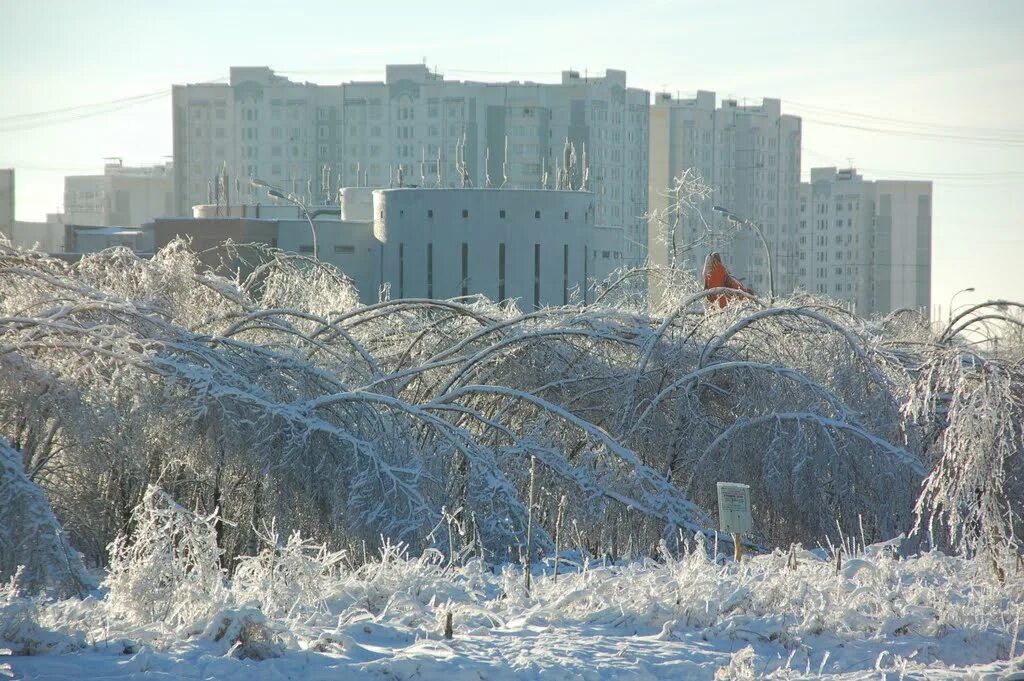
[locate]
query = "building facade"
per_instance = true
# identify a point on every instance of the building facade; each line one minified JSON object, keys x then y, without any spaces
{"x":90,"y":239}
{"x":537,"y":247}
{"x":866,"y":242}
{"x":121,"y":196}
{"x":750,"y":157}
{"x":417,"y":129}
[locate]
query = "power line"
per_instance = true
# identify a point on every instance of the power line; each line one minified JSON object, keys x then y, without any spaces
{"x":922,"y":135}
{"x":903,"y":121}
{"x":41,"y":119}
{"x":80,"y":107}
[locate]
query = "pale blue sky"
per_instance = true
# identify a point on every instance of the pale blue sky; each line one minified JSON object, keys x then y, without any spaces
{"x":939,"y":62}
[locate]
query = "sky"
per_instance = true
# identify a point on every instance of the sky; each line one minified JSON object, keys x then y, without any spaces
{"x":953,"y":72}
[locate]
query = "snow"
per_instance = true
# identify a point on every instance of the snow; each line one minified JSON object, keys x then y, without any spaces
{"x":926,"y":617}
{"x":181,"y":429}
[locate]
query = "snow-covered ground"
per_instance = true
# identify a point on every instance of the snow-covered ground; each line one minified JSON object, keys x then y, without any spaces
{"x":877,"y":616}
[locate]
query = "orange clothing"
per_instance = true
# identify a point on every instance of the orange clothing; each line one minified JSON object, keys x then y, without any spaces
{"x":716,"y":275}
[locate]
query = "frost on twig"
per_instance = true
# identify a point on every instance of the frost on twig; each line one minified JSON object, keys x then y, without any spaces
{"x":252,"y":383}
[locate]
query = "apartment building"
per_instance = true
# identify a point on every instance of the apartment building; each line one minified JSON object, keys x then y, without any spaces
{"x":865,"y":242}
{"x":749,"y":154}
{"x":417,"y":129}
{"x":121,"y":196}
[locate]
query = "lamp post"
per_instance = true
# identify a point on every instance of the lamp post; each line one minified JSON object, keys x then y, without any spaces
{"x":949,"y":317}
{"x":732,"y":217}
{"x":279,"y":193}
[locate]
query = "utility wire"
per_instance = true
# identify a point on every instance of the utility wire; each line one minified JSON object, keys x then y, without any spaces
{"x":902,"y":121}
{"x":1003,"y":141}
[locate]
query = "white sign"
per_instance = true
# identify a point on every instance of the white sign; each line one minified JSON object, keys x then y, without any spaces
{"x":734,"y":507}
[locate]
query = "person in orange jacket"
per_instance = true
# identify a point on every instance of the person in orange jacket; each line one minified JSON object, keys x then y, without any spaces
{"x":717,"y":276}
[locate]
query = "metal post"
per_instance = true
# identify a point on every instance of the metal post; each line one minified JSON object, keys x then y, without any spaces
{"x":279,"y":193}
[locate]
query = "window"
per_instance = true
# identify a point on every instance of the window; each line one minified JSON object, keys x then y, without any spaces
{"x":584,"y":282}
{"x":501,"y":213}
{"x":401,"y":270}
{"x":465,"y":213}
{"x":346,"y":250}
{"x":430,"y":213}
{"x":565,"y":272}
{"x":566,"y":216}
{"x":536,"y":275}
{"x":430,"y":270}
{"x":465,"y":268}
{"x":536,"y":214}
{"x":306,"y":248}
{"x":501,"y":272}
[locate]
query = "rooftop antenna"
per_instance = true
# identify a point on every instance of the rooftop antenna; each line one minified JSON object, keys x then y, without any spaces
{"x":563,"y":176}
{"x":460,"y":151}
{"x":401,"y":175}
{"x":439,"y":161}
{"x":543,"y":172}
{"x":573,"y":167}
{"x":359,"y":173}
{"x":423,"y":166}
{"x":585,"y":182}
{"x":487,"y":167}
{"x":226,"y":188}
{"x":504,"y":165}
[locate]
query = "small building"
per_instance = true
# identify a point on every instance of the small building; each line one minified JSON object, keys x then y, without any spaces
{"x":536,"y":246}
{"x":122,"y":195}
{"x":90,"y":239}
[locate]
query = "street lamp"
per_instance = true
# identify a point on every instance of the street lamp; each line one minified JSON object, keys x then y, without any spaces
{"x":732,"y":217}
{"x":949,"y":317}
{"x":279,"y":193}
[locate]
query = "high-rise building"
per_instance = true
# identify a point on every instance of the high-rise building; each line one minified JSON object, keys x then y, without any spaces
{"x":866,"y":242}
{"x":417,"y":129}
{"x":121,"y":196}
{"x":750,"y":157}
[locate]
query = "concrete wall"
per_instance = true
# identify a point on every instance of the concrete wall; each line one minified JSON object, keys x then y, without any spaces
{"x":350,"y":246}
{"x":903,"y":245}
{"x":209,"y":233}
{"x":87,"y":240}
{"x":445,"y":243}
{"x":47,"y":237}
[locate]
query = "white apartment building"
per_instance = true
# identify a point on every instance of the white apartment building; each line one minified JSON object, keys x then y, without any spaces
{"x":121,"y":196}
{"x":417,"y":129}
{"x":750,"y":157}
{"x":865,"y":242}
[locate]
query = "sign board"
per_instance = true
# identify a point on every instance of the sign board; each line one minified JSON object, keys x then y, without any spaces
{"x":734,"y":507}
